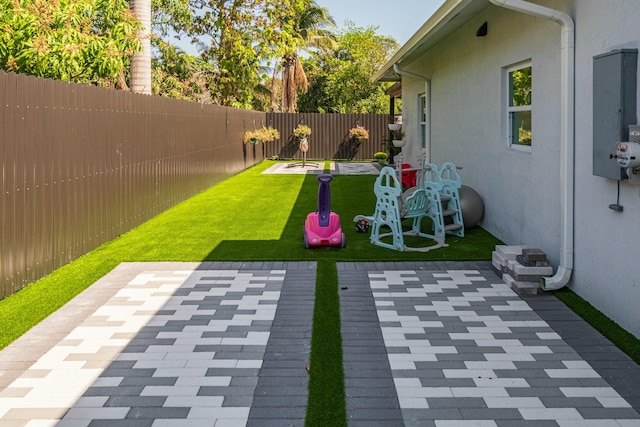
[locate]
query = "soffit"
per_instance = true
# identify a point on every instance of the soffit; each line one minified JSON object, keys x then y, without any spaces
{"x":395,"y":91}
{"x":448,"y":18}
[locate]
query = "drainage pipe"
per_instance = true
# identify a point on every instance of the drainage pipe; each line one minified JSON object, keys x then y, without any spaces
{"x":567,"y":106}
{"x":427,"y":97}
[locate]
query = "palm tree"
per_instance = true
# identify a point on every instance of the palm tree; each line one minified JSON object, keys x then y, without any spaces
{"x":311,"y":25}
{"x":141,"y":61}
{"x":293,"y":79}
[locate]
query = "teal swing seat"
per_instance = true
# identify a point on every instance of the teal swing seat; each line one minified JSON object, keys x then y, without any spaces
{"x":392,"y":206}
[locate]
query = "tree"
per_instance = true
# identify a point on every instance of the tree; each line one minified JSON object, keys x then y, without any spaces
{"x":341,"y":80}
{"x":176,"y":74}
{"x":162,"y":16}
{"x":238,"y":38}
{"x":141,"y":61}
{"x":84,"y":41}
{"x":310,"y":23}
{"x":170,"y":16}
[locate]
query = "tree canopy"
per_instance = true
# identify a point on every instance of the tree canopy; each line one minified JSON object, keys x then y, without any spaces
{"x":238,"y":38}
{"x":85,"y":41}
{"x":312,"y":26}
{"x":340,"y":78}
{"x":243,"y":45}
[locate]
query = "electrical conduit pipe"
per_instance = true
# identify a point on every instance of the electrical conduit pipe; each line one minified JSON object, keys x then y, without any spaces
{"x":567,"y":106}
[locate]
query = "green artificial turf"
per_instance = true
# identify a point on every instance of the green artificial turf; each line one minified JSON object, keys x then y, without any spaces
{"x":350,"y":196}
{"x":326,"y":404}
{"x":622,"y":339}
{"x":244,"y":208}
{"x":250,"y":217}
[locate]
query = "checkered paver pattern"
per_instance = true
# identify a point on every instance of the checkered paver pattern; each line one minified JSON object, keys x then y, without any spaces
{"x":170,"y":348}
{"x":465,"y":350}
{"x":228,"y":344}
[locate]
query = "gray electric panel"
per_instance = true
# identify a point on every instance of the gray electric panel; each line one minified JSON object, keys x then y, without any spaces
{"x":614,"y":107}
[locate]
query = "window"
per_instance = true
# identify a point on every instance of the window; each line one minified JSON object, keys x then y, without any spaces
{"x":519,"y":105}
{"x":422,"y":112}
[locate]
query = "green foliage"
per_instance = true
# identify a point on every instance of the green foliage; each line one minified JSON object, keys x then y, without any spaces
{"x":171,"y":15}
{"x":238,"y":37}
{"x":622,"y":339}
{"x":301,"y":131}
{"x":521,"y":87}
{"x":313,"y":26}
{"x":251,"y":136}
{"x":270,"y":134}
{"x":84,"y":41}
{"x":240,"y":41}
{"x":176,"y":74}
{"x":264,"y":134}
{"x":340,"y":78}
{"x":311,"y":31}
{"x":358,"y":132}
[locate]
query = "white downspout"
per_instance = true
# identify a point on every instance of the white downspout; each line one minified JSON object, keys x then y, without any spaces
{"x":567,"y":105}
{"x":427,"y":88}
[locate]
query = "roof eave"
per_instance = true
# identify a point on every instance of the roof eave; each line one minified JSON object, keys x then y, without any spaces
{"x":433,"y":30}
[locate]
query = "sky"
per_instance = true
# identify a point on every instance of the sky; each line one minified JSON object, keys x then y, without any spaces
{"x":399,"y":19}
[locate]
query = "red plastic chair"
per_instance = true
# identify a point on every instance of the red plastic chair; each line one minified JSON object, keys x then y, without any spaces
{"x":408,"y":177}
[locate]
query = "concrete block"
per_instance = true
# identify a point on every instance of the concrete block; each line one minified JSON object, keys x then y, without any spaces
{"x":533,"y":254}
{"x":522,"y":287}
{"x":499,"y":263}
{"x":509,"y":252}
{"x":522,"y":273}
{"x":522,"y":259}
{"x":515,"y":268}
{"x":527,"y":277}
{"x":521,"y":270}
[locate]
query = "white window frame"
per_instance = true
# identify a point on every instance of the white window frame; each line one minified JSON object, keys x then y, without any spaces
{"x":423,"y":118}
{"x":511,"y":109}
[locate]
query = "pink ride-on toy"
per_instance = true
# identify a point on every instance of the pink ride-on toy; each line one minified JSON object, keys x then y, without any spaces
{"x":322,"y":228}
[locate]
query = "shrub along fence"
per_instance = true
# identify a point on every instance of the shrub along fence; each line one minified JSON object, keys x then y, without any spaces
{"x":81,"y":165}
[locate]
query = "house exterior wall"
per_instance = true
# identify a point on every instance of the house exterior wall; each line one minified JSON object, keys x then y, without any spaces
{"x":607,"y":243}
{"x":521,"y":190}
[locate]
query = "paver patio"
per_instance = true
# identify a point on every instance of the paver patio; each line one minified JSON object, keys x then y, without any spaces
{"x":227,"y":344}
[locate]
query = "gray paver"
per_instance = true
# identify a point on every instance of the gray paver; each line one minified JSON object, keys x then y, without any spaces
{"x":150,"y":333}
{"x":424,"y":344}
{"x":536,"y":364}
{"x":357,"y":313}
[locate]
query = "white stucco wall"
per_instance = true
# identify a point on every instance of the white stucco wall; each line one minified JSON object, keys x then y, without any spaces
{"x":607,"y":243}
{"x":466,"y":113}
{"x":520,"y":189}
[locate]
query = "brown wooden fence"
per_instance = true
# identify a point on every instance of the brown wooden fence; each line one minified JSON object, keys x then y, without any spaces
{"x":329,"y":135}
{"x":81,"y":165}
